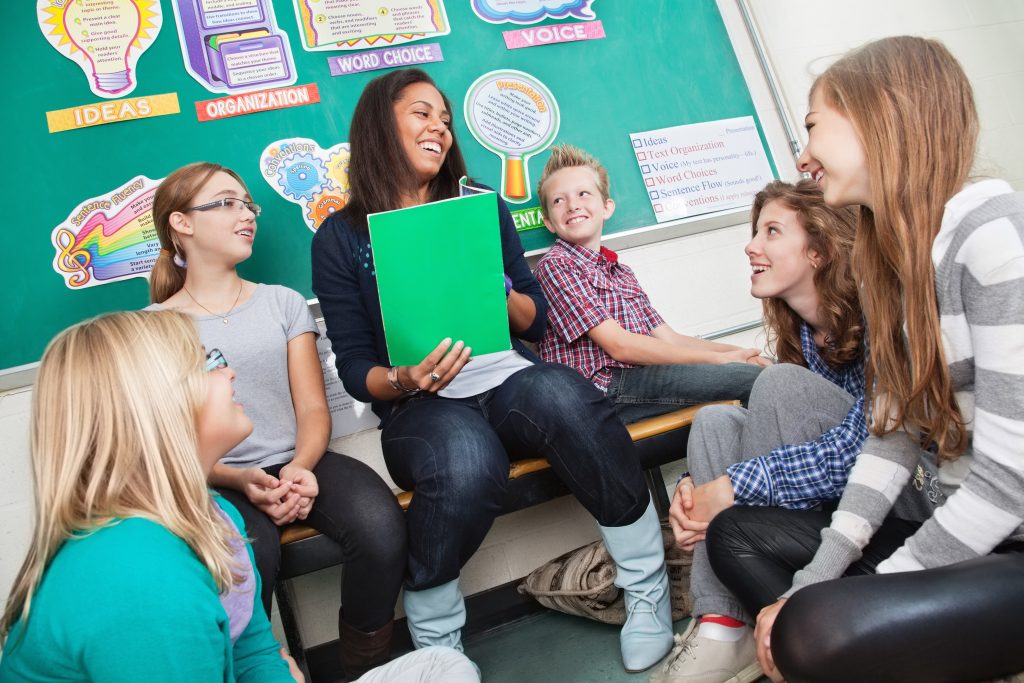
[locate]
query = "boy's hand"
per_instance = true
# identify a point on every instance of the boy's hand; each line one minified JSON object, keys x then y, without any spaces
{"x":740,"y":356}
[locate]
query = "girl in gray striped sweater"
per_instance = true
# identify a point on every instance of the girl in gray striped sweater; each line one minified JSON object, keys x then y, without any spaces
{"x":933,"y":514}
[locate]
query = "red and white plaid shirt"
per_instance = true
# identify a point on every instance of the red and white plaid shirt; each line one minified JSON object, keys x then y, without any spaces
{"x":584,"y":288}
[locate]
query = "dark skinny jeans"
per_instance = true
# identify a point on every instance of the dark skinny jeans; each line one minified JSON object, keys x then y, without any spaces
{"x":961,"y":622}
{"x":355,"y":509}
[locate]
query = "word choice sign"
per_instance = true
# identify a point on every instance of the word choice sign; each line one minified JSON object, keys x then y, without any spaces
{"x":553,"y":33}
{"x":385,"y":58}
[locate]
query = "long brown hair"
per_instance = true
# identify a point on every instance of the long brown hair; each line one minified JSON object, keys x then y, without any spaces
{"x":913,"y":107}
{"x":379,"y":173}
{"x":830,"y":234}
{"x":176,"y":193}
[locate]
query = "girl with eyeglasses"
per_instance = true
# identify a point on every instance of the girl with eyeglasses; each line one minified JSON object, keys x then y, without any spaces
{"x":134,"y":572}
{"x":206,"y":223}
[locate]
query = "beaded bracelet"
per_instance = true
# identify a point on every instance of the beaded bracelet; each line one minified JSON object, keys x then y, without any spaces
{"x":396,"y":383}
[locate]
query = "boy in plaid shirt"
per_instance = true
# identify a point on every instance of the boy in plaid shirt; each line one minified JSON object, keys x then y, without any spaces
{"x":601,"y":322}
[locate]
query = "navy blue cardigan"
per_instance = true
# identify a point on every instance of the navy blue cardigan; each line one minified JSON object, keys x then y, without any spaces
{"x":344,"y":280}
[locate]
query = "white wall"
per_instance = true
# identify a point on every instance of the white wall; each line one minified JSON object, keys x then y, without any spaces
{"x":699,"y":283}
{"x":987,"y":36}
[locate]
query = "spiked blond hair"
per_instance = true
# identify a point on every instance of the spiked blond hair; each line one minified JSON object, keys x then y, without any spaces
{"x":568,"y":156}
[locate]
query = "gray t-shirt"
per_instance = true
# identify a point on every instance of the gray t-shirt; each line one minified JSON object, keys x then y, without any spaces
{"x":255,"y":343}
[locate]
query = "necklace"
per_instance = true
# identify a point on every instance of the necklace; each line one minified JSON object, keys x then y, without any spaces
{"x":223,"y":316}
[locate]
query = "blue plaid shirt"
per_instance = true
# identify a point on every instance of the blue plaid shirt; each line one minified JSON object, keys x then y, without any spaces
{"x":800,"y":476}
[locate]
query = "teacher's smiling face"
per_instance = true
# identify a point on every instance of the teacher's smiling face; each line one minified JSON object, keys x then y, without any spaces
{"x":423,"y":124}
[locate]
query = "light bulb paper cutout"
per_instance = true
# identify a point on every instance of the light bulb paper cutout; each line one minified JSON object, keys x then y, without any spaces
{"x":108,"y":238}
{"x":305,"y":174}
{"x":514,"y":115}
{"x":104,"y":37}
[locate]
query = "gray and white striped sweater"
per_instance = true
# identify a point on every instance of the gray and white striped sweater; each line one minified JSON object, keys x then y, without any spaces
{"x":978,"y":500}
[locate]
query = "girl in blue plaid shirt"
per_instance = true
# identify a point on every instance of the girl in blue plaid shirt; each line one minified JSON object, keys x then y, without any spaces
{"x":794,"y":445}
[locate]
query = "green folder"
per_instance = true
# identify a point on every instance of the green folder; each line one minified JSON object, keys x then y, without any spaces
{"x":440,"y":274}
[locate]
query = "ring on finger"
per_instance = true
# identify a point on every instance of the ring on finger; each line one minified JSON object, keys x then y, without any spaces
{"x":434,"y":377}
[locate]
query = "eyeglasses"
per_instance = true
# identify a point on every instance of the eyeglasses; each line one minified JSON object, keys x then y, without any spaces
{"x":215,"y":360}
{"x":229,"y":203}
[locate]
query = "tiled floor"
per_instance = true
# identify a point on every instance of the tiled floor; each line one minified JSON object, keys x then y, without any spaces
{"x":553,"y":648}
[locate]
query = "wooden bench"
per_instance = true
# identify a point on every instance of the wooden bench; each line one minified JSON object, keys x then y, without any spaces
{"x":657,"y":440}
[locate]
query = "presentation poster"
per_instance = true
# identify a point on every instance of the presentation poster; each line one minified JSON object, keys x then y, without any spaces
{"x":514,"y":115}
{"x":701,"y":167}
{"x":359,"y":24}
{"x":108,"y":238}
{"x":104,"y":37}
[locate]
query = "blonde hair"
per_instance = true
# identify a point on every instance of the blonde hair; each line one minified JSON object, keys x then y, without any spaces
{"x":830,"y":234}
{"x":913,"y":107}
{"x":568,"y":156}
{"x":176,"y":193}
{"x":113,"y":436}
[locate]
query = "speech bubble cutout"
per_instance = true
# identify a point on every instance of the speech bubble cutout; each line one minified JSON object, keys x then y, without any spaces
{"x":104,"y":37}
{"x":515,"y":116}
{"x":531,"y":11}
{"x":305,"y":174}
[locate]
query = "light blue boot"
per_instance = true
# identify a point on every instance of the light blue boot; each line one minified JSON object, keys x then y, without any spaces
{"x":436,"y":615}
{"x":640,"y":561}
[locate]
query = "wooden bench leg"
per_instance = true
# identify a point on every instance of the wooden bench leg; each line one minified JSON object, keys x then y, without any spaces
{"x":285,"y":601}
{"x":656,"y":485}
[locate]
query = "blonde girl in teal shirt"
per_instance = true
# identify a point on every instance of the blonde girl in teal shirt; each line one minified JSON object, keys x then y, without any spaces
{"x":134,"y":572}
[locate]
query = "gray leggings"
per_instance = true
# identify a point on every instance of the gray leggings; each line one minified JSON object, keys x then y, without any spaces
{"x":789,"y":404}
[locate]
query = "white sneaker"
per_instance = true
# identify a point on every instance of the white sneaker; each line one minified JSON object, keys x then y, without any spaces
{"x":696,"y":659}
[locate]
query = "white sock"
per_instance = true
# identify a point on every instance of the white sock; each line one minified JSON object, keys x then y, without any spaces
{"x":726,"y":634}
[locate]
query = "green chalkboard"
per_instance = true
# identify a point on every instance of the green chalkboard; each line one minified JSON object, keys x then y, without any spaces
{"x":663,"y":63}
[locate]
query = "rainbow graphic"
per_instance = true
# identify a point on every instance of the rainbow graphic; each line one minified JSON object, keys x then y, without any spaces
{"x":108,"y":238}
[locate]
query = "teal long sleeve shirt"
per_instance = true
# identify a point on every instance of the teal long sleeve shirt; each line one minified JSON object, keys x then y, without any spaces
{"x":132,"y":602}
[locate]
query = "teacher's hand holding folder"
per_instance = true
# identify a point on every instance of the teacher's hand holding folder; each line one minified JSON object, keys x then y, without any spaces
{"x":434,"y":372}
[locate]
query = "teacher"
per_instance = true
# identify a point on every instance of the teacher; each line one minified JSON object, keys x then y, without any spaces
{"x":450,"y":426}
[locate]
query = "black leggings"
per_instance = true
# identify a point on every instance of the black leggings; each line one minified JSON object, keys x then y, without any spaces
{"x":962,"y":622}
{"x":357,"y":510}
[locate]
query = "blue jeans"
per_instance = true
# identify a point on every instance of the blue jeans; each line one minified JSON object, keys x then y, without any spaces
{"x":455,"y":454}
{"x":649,"y":390}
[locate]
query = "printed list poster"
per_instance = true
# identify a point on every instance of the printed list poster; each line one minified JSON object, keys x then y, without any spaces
{"x":701,"y":167}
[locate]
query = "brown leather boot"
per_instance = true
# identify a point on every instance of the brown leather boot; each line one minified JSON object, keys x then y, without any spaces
{"x":361,"y":651}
